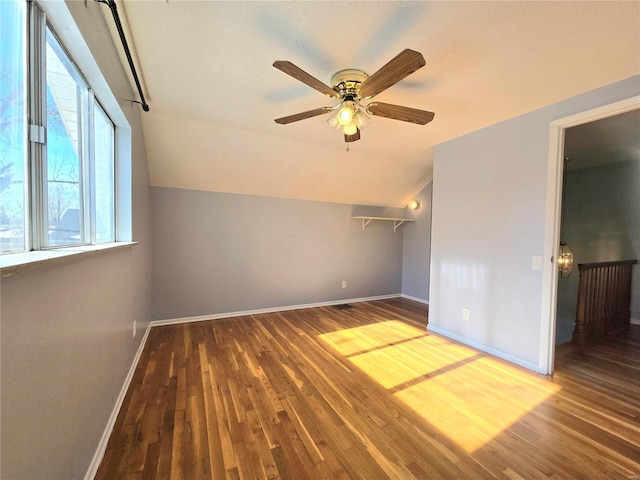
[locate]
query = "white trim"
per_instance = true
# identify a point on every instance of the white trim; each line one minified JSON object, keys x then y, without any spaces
{"x":552,"y":225}
{"x":484,"y":348}
{"x":70,"y":36}
{"x":19,"y":262}
{"x":415,"y":299}
{"x":551,"y":238}
{"x":635,"y":321}
{"x":218,"y":316}
{"x":104,"y":440}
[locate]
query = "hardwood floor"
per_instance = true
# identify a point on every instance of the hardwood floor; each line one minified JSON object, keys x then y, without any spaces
{"x":366,"y":393}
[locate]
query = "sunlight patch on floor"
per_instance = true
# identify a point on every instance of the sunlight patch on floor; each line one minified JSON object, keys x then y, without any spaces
{"x":393,"y":353}
{"x":466,"y":395}
{"x":477,"y":401}
{"x":361,"y":339}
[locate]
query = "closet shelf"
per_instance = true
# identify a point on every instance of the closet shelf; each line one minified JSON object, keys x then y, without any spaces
{"x":366,"y":219}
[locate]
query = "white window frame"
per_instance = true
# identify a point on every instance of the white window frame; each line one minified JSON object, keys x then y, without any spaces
{"x":62,"y":24}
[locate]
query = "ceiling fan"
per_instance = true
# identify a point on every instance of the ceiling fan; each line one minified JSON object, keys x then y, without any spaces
{"x":351,"y":87}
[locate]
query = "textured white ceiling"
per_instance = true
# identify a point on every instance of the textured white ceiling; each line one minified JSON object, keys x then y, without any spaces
{"x":207,"y":71}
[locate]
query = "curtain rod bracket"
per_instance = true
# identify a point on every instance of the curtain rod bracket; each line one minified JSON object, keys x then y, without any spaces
{"x":145,"y":107}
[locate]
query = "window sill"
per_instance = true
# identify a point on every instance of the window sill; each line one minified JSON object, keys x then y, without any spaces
{"x":19,"y":262}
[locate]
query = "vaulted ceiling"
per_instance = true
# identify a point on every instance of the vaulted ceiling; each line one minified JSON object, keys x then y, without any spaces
{"x":206,"y":68}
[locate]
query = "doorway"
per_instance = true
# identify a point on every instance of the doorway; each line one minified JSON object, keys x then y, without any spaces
{"x":554,"y":203}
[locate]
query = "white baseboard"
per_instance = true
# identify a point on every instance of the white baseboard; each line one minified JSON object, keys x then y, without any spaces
{"x":496,"y":353}
{"x":102,"y":445}
{"x":217,"y":316}
{"x":635,"y":321}
{"x":104,"y":440}
{"x":415,"y":299}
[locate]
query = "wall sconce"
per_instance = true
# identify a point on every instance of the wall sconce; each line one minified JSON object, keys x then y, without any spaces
{"x":565,"y":260}
{"x":414,"y":205}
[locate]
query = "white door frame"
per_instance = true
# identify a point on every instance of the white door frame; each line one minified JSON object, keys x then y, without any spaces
{"x":552,"y":225}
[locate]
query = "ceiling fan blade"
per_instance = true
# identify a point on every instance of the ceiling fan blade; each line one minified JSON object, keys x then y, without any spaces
{"x":396,"y":112}
{"x":399,"y":67}
{"x":299,"y":74}
{"x":352,"y":138}
{"x":302,"y":115}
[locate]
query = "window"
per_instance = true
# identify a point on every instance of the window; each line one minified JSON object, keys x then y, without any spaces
{"x":13,"y":127}
{"x":57,"y":171}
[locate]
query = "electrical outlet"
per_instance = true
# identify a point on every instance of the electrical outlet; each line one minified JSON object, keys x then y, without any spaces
{"x":466,"y":314}
{"x":134,"y":328}
{"x":344,"y":284}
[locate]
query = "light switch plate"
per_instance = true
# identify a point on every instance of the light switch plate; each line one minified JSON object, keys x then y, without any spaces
{"x":536,"y":262}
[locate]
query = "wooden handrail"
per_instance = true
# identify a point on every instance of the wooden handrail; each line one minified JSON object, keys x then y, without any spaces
{"x":604,"y":299}
{"x":589,"y":266}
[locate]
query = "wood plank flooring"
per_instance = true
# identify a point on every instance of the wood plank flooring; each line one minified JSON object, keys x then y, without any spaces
{"x":366,"y":393}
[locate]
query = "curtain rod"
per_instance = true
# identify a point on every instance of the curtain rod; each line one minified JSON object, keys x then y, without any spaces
{"x":116,"y":18}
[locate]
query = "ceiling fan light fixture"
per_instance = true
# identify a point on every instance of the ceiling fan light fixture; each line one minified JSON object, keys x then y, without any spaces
{"x":350,"y":86}
{"x":333,"y":121}
{"x":361,"y":119}
{"x":346,"y":112}
{"x":350,"y":129}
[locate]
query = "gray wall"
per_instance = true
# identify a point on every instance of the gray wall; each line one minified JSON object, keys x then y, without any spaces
{"x":66,"y":342}
{"x":218,"y":252}
{"x":489,"y":213}
{"x":602,"y":224}
{"x":416,"y":252}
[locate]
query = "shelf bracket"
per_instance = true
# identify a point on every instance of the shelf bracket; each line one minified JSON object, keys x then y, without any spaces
{"x":365,"y":222}
{"x":397,"y":223}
